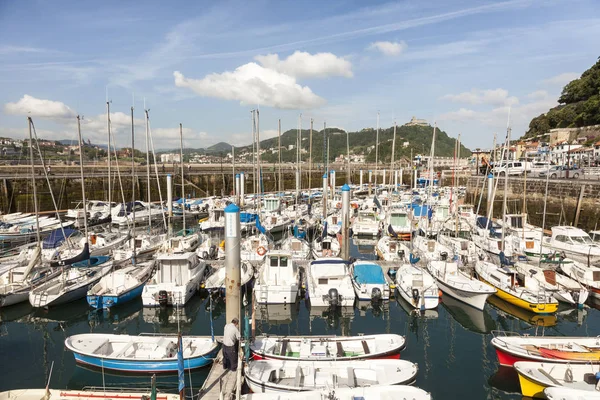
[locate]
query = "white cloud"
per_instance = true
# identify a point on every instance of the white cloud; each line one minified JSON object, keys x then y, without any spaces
{"x":29,"y":105}
{"x":497,"y":97}
{"x":561,"y":79}
{"x":463,"y":114}
{"x":389,"y":48}
{"x":306,"y":65}
{"x":538,"y":95}
{"x":253,"y":84}
{"x":168,"y":138}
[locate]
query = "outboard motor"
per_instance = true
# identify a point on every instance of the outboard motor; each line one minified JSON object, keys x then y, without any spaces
{"x":444,"y":255}
{"x":212,"y":252}
{"x":163,"y":298}
{"x":415,"y":294}
{"x":334,"y":297}
{"x":205,"y":255}
{"x":401,"y":254}
{"x":376,"y":294}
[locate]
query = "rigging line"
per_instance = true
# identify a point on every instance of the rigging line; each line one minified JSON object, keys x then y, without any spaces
{"x":48,"y":182}
{"x":118,"y":174}
{"x":156,"y":172}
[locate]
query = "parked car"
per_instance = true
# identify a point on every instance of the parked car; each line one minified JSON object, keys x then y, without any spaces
{"x":512,"y":168}
{"x":539,"y":166}
{"x":561,"y":172}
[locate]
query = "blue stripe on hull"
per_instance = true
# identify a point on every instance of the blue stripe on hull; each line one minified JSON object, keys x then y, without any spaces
{"x":110,"y":301}
{"x":153,"y":366}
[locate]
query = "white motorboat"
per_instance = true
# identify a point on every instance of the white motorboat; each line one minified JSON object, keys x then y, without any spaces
{"x":383,"y":392}
{"x":216,"y":277}
{"x":417,"y":287}
{"x":123,"y":214}
{"x":562,"y":287}
{"x":329,"y":283}
{"x":579,"y":272}
{"x":93,"y":207}
{"x":392,"y":249}
{"x":298,"y":248}
{"x":334,"y":224}
{"x":369,"y":282}
{"x":176,"y":279}
{"x":211,"y":249}
{"x":512,"y":287}
{"x":575,"y":243}
{"x":398,"y":224}
{"x":278,"y":280}
{"x":366,"y":223}
{"x":144,"y":246}
{"x":255,"y":247}
{"x":456,"y":283}
{"x":325,"y":247}
{"x":283,"y":376}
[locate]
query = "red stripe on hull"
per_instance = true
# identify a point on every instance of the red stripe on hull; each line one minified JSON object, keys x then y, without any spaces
{"x":508,"y":359}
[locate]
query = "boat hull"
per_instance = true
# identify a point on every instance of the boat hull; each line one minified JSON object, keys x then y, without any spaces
{"x":476,"y":300}
{"x":106,"y":302}
{"x":539,"y":308}
{"x":13,"y":298}
{"x":531,"y":387}
{"x":151,"y":366}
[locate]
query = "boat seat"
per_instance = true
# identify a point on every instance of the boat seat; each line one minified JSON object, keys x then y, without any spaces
{"x":99,"y":346}
{"x":351,"y":377}
{"x":284,"y":345}
{"x":549,"y":377}
{"x":340,"y":349}
{"x":123,"y":350}
{"x":365,"y":347}
{"x":298,"y":379}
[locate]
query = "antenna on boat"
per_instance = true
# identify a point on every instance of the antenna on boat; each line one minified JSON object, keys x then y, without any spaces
{"x":47,"y":395}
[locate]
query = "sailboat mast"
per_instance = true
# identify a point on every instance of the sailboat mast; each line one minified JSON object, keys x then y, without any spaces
{"x":393,"y":154}
{"x":85,"y":225}
{"x":259,"y":177}
{"x":35,"y":202}
{"x":254,"y":152}
{"x":431,"y":170}
{"x":132,"y":172}
{"x":148,"y":170}
{"x":279,"y":153}
{"x":310,"y":160}
{"x":182,"y":178}
{"x":349,"y":177}
{"x":377,"y":153}
{"x":109,"y":161}
{"x":300,"y":151}
{"x":505,"y":197}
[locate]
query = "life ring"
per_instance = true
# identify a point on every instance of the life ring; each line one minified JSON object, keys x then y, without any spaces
{"x":338,"y":205}
{"x":261,"y":251}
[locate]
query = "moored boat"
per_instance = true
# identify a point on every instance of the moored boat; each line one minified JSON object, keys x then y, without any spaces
{"x":560,"y":393}
{"x":142,"y":354}
{"x":120,"y":286}
{"x":56,"y":394}
{"x":511,"y":348}
{"x":327,"y":348}
{"x":534,"y":377}
{"x":369,"y":282}
{"x":283,"y":376}
{"x":367,"y":393}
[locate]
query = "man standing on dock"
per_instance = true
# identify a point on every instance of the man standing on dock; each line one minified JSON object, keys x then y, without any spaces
{"x":231,"y":337}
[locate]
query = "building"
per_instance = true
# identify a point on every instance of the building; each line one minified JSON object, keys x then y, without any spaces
{"x":170,"y":158}
{"x":414,"y":121}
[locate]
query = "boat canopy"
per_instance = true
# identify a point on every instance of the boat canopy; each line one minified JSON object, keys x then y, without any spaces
{"x":56,"y":238}
{"x":246,"y":218}
{"x":368,"y":273}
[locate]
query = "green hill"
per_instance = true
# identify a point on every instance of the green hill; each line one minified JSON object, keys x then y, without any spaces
{"x":579,"y":105}
{"x":418,"y":137}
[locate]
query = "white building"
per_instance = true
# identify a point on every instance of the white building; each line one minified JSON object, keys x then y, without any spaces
{"x":414,"y":121}
{"x":170,"y":158}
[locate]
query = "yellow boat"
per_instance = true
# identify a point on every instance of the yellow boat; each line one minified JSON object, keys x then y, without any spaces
{"x":531,"y":387}
{"x":523,"y":314}
{"x":534,"y":377}
{"x":513,"y":291}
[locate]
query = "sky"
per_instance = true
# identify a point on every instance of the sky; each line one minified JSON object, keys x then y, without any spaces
{"x":463,"y":64}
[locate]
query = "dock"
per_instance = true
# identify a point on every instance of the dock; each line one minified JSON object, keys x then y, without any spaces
{"x":220,"y":383}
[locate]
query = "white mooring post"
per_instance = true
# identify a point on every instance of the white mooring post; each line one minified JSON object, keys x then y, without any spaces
{"x":232,"y":262}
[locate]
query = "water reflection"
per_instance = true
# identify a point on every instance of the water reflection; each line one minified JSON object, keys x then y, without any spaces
{"x":470,"y":318}
{"x":507,"y":311}
{"x":172,"y":319}
{"x":413,"y":312}
{"x":505,"y":379}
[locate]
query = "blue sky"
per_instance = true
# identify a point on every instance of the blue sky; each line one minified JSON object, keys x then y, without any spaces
{"x":207,"y":64}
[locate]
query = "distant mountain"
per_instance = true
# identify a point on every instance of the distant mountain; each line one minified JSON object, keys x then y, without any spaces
{"x":218,"y":148}
{"x":417,"y":139}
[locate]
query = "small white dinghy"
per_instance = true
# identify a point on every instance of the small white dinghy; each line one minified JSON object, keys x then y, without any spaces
{"x":417,"y":287}
{"x":56,"y":394}
{"x":283,"y":376}
{"x":534,"y":377}
{"x":560,"y":393}
{"x":366,"y":393}
{"x":324,"y":348}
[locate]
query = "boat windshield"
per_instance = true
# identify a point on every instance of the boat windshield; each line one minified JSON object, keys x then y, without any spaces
{"x":581,"y":240}
{"x":367,"y":218}
{"x":398,"y":219}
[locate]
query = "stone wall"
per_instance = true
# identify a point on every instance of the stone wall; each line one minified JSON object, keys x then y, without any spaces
{"x":563,"y":197}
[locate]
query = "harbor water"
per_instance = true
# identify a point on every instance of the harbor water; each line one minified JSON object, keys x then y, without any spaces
{"x":451,"y":345}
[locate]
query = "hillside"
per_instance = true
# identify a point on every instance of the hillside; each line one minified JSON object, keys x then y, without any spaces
{"x":579,"y":105}
{"x":419,"y":139}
